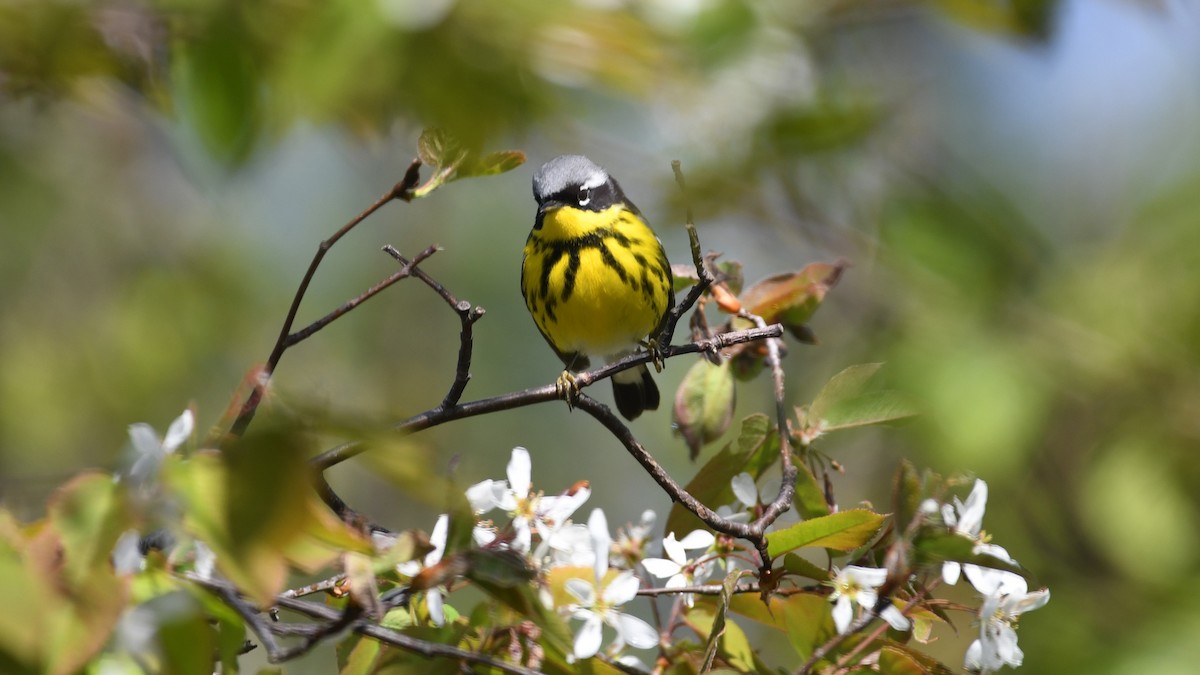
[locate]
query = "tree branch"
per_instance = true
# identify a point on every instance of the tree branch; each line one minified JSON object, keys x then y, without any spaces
{"x":401,"y":190}
{"x":787,"y":488}
{"x":407,"y":271}
{"x":467,"y":316}
{"x":335,"y":622}
{"x":544,"y":393}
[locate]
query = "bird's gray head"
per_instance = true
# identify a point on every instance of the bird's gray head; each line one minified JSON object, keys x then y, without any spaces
{"x":578,"y":182}
{"x":566,"y":175}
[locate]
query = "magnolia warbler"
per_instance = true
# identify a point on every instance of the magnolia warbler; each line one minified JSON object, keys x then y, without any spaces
{"x":595,"y":277}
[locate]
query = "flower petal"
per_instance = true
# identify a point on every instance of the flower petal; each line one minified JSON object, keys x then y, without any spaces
{"x":895,"y":617}
{"x":621,"y":589}
{"x":674,"y":549}
{"x":438,"y":539}
{"x":587,"y":640}
{"x":634,"y":631}
{"x":1030,"y":602}
{"x":581,"y":590}
{"x":866,"y":577}
{"x":842,"y":612}
{"x":950,"y":572}
{"x":661,"y":568}
{"x":485,"y":495}
{"x":970,"y":514}
{"x":744,"y":489}
{"x":433,"y":602}
{"x":520,"y":471}
{"x":144,"y":440}
{"x":995,"y":582}
{"x":697,"y":539}
{"x":974,"y":658}
{"x":601,"y":542}
{"x":179,"y":431}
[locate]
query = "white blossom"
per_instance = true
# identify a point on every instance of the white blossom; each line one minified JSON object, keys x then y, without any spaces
{"x":1006,"y":598}
{"x":151,"y":451}
{"x":856,"y":584}
{"x":598,"y":601}
{"x":530,"y":511}
{"x":411,"y":568}
{"x":965,"y":519}
{"x":676,"y":568}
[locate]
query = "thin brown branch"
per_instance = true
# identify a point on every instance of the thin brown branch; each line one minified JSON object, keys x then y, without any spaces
{"x":404,"y":273}
{"x":542,"y":394}
{"x":467,"y":316}
{"x":674,"y":490}
{"x":402,"y":641}
{"x":704,"y":275}
{"x":787,"y":488}
{"x":705,"y":589}
{"x":334,"y":623}
{"x":401,"y":190}
{"x":310,"y":635}
{"x":323,"y":585}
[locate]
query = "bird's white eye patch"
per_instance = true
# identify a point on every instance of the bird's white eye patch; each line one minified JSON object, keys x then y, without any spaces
{"x":585,"y":196}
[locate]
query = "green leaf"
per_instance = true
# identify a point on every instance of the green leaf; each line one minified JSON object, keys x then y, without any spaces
{"x":251,"y":504}
{"x":898,"y":659}
{"x":186,"y":640}
{"x":231,"y":637}
{"x":704,"y":404}
{"x":491,"y":164}
{"x":802,"y":566}
{"x":809,"y":498}
{"x":845,"y":402}
{"x":709,"y":619}
{"x":358,"y":656}
{"x":89,"y":514}
{"x":219,"y":87}
{"x":842,"y":531}
{"x":711,"y":483}
{"x":683,"y":276}
{"x":503,"y":569}
{"x":807,"y":620}
{"x":906,"y":493}
{"x":438,"y":149}
{"x":934,"y":548}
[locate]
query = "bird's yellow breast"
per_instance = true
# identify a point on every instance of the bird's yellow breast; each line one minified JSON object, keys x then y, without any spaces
{"x":595,"y":282}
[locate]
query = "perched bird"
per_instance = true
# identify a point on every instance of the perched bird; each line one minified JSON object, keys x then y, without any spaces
{"x":595,"y":277}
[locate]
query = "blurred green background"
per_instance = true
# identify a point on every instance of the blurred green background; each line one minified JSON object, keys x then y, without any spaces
{"x":1017,"y":186}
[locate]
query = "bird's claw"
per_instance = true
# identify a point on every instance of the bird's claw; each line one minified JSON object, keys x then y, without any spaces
{"x":656,"y":355}
{"x":567,"y":388}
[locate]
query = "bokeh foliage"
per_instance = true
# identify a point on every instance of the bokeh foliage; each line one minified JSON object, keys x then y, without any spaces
{"x":147,"y":253}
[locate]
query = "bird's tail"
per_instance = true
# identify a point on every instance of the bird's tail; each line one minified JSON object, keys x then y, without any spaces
{"x":634,"y":391}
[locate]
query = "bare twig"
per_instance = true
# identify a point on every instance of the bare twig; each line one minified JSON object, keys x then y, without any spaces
{"x":867,"y":617}
{"x":787,"y":488}
{"x":323,"y":585}
{"x":335,"y":622}
{"x":705,"y":589}
{"x":617,"y":428}
{"x":702,"y":271}
{"x":467,"y":316}
{"x":309,"y":635}
{"x":544,"y":393}
{"x":401,"y":190}
{"x":407,"y":271}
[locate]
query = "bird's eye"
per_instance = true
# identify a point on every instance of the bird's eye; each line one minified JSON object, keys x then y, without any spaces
{"x":585,"y":196}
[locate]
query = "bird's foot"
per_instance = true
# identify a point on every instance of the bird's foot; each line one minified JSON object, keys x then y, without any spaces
{"x":567,"y":388}
{"x":656,"y":355}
